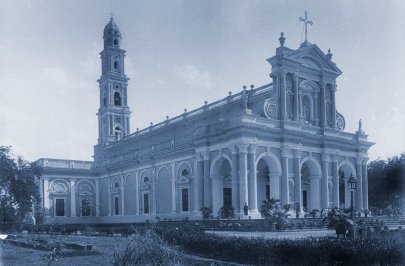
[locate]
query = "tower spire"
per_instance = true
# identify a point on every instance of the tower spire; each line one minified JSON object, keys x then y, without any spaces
{"x":114,"y":112}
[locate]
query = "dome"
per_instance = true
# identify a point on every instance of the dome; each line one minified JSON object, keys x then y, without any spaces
{"x":111,"y":28}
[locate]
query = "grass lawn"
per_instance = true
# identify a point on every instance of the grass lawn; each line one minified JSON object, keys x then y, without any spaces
{"x":101,"y":254}
{"x":103,"y":248}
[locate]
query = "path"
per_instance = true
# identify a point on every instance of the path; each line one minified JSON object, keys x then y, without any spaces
{"x":278,"y":235}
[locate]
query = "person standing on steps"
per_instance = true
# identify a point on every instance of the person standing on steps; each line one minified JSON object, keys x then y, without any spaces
{"x":245,"y":210}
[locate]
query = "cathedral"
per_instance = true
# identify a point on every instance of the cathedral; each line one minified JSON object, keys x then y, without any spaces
{"x":283,"y":140}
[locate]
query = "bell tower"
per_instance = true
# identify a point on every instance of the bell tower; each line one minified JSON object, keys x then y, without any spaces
{"x":113,"y":114}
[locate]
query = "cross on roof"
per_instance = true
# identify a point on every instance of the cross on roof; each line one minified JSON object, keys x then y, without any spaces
{"x":306,"y":22}
{"x":112,"y":15}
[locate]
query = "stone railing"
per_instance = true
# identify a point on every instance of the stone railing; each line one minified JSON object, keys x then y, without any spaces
{"x":59,"y":163}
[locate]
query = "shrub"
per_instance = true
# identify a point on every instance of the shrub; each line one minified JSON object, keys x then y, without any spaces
{"x":206,"y":213}
{"x":226,"y":212}
{"x":285,"y":251}
{"x":144,"y":249}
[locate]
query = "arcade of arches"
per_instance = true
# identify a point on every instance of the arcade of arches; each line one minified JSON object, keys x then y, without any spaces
{"x":309,"y":180}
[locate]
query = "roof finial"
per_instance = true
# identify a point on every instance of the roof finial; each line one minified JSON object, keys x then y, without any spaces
{"x":111,"y":16}
{"x":329,"y":55}
{"x":306,"y":22}
{"x":282,"y":39}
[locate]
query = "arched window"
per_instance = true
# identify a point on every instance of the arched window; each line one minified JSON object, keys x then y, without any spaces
{"x":306,"y":109}
{"x":116,"y":42}
{"x":118,"y":133}
{"x":184,"y":173}
{"x":117,"y":98}
{"x":116,"y":66}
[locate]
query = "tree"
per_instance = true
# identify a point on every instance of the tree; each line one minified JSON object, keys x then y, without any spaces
{"x":386,"y":181}
{"x":275,"y":213}
{"x":18,"y":188}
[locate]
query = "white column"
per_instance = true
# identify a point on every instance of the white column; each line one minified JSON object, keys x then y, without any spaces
{"x":153,"y":205}
{"x":207,"y":192}
{"x":196,"y":182}
{"x":72,"y":198}
{"x":97,"y":198}
{"x":252,"y":179}
{"x":217,"y":194}
{"x":324,"y":182}
{"x":200,"y":173}
{"x":109,"y":195}
{"x":235,"y":181}
{"x":323,"y":105}
{"x":122,"y":195}
{"x":316,"y":109}
{"x":284,"y":175}
{"x":365,"y":185}
{"x":332,"y":95}
{"x":297,"y":175}
{"x":243,"y":186}
{"x":283,"y":96}
{"x":296,"y":99}
{"x":359,"y":185}
{"x":137,"y":193}
{"x":335,"y":181}
{"x":173,"y":189}
{"x":46,"y":195}
{"x":314,"y":192}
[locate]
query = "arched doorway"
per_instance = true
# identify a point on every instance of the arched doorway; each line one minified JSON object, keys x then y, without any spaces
{"x":222,"y":185}
{"x":310,"y":185}
{"x":268,"y":178}
{"x":344,"y":172}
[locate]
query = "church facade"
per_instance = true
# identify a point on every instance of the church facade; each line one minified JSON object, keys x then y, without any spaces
{"x":283,"y":140}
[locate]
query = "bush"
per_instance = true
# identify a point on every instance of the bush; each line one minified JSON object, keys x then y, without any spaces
{"x":285,"y":251}
{"x":144,"y":249}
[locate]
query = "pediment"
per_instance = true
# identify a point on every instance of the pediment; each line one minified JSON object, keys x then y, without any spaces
{"x":183,"y":179}
{"x":311,"y":56}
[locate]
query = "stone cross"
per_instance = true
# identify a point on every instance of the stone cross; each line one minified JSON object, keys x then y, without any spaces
{"x":306,"y":22}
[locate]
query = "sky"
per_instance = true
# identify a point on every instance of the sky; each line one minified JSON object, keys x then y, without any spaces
{"x":181,"y":53}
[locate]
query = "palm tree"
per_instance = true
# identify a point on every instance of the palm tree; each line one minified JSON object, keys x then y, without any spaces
{"x":267,"y":208}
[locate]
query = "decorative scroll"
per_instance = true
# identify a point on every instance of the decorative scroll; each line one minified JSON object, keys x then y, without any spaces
{"x":270,"y":110}
{"x":270,"y":107}
{"x":340,"y":121}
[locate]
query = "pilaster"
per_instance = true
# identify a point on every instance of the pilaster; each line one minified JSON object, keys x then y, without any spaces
{"x":252,"y":179}
{"x":72,"y":198}
{"x":284,"y":175}
{"x":335,"y":181}
{"x":173,"y":188}
{"x":297,"y":175}
{"x":97,"y":198}
{"x":154,"y":200}
{"x":235,"y":181}
{"x":137,"y":193}
{"x":122,"y":195}
{"x":359,"y":186}
{"x":296,"y":99}
{"x":243,"y":185}
{"x":283,"y":96}
{"x":365,"y":184}
{"x":324,"y":181}
{"x":207,"y":194}
{"x":332,"y":95}
{"x":46,"y":195}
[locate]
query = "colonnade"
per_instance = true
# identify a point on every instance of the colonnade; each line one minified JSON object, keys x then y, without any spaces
{"x":321,"y":184}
